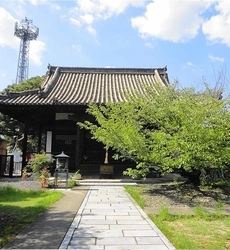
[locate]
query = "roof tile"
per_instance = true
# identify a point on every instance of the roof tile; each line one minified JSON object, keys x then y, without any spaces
{"x":74,"y":86}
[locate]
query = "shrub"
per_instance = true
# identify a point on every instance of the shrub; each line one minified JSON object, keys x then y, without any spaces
{"x":38,"y":163}
{"x":73,"y":181}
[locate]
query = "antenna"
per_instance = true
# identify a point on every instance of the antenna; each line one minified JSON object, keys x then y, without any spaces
{"x":26,"y":31}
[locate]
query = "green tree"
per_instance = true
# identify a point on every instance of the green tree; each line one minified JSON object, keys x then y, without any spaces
{"x":30,"y":84}
{"x":9,"y":127}
{"x":172,"y":129}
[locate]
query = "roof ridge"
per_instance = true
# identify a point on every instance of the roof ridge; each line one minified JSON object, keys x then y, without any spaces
{"x":107,"y":70}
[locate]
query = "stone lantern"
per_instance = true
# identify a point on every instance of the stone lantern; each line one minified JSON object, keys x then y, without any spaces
{"x":62,"y":166}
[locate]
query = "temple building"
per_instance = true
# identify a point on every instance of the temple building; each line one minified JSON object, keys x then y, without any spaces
{"x":54,"y":109}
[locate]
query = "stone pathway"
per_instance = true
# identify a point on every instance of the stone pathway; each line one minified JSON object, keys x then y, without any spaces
{"x":109,"y":219}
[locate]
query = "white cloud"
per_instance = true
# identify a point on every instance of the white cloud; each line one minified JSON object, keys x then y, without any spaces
{"x":216,"y":58}
{"x":77,"y":47}
{"x":192,"y":67}
{"x":36,"y":49}
{"x":189,"y":64}
{"x":52,"y":4}
{"x":19,"y":11}
{"x":7,"y":37}
{"x":36,"y":2}
{"x":104,"y":9}
{"x":56,"y":7}
{"x":217,"y":27}
{"x":172,"y":20}
{"x":87,"y":18}
{"x":89,"y":11}
{"x":75,"y":21}
{"x":92,"y":31}
{"x":149,"y":45}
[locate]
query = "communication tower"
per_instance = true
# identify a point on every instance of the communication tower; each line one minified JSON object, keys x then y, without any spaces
{"x":26,"y":31}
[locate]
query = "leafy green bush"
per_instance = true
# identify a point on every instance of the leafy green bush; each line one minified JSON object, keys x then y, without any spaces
{"x":38,"y":164}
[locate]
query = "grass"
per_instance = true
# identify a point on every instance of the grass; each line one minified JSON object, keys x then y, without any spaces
{"x":199,"y":231}
{"x":195,"y":231}
{"x":18,"y":208}
{"x":136,"y":194}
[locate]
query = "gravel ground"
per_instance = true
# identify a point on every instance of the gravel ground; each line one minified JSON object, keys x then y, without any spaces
{"x":183,"y":198}
{"x":184,"y":195}
{"x":21,"y":184}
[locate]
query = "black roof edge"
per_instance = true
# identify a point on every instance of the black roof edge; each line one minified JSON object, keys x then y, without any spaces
{"x":106,"y":70}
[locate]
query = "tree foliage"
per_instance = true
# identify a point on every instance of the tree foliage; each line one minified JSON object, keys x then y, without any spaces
{"x":169,"y":128}
{"x":9,"y":127}
{"x":30,"y":84}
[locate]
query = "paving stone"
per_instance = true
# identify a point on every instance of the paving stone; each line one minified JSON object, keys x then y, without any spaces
{"x":92,"y":217}
{"x":136,"y":247}
{"x":101,"y":212}
{"x":83,"y":241}
{"x":112,"y":213}
{"x":90,"y":247}
{"x":126,"y":227}
{"x":133,"y":212}
{"x":94,"y":227}
{"x":149,"y":241}
{"x":139,"y":232}
{"x":119,"y":208}
{"x":116,"y":241}
{"x":128,"y":211}
{"x":103,"y":202}
{"x":131,"y":222}
{"x":97,"y":233}
{"x":130,"y":217}
{"x":98,"y":222}
{"x":98,"y":211}
{"x":98,"y":206}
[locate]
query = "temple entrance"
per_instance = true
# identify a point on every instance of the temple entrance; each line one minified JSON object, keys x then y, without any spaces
{"x":78,"y":144}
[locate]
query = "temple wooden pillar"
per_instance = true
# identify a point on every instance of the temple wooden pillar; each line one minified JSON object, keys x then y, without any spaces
{"x":24,"y":150}
{"x":39,"y":139}
{"x":78,"y":147}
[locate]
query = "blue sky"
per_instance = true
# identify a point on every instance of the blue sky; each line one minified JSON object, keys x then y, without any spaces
{"x":191,"y":37}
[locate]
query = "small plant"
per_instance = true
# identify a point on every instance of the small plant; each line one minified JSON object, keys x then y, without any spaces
{"x":73,"y":181}
{"x":40,"y":166}
{"x":25,"y":174}
{"x":77,"y":175}
{"x":164,"y":213}
{"x":44,"y":177}
{"x":201,"y":212}
{"x":219,"y":208}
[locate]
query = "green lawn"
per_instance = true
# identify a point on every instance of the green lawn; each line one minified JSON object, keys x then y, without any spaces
{"x":195,"y":232}
{"x":18,"y":208}
{"x":199,"y":231}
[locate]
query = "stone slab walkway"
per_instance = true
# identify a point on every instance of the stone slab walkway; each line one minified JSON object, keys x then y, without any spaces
{"x":110,"y":219}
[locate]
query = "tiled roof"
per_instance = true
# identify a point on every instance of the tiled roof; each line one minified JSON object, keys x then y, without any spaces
{"x":80,"y":86}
